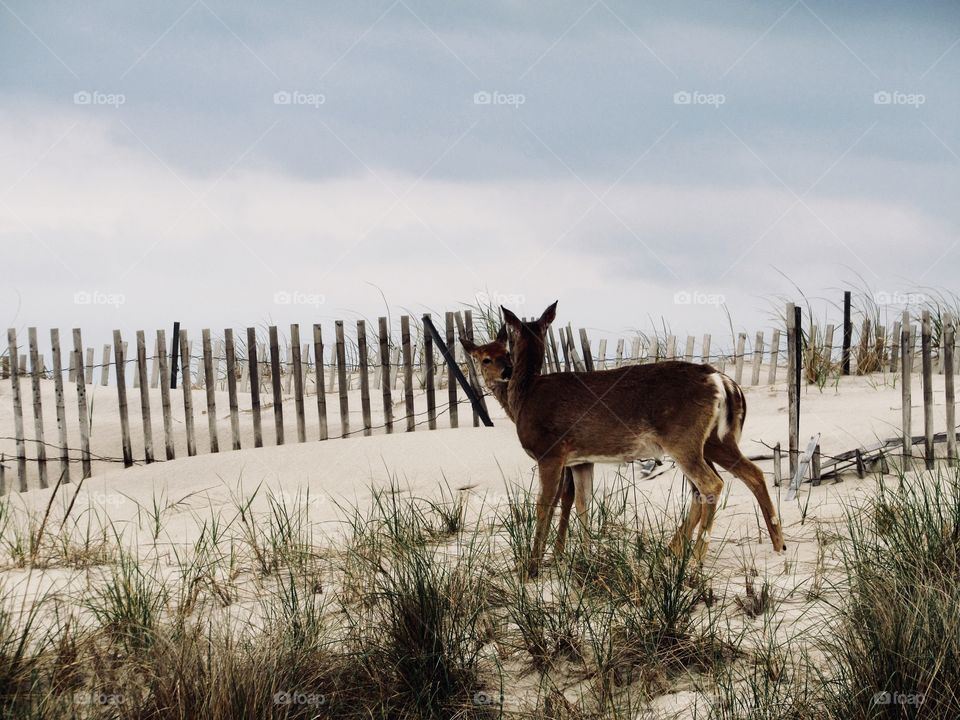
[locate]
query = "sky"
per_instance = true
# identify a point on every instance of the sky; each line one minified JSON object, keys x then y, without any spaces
{"x":235,"y":164}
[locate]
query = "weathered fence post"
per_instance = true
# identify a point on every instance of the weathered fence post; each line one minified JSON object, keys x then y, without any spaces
{"x":793,"y":389}
{"x":35,"y":375}
{"x":906,"y":362}
{"x":774,"y":357}
{"x":385,"y":373}
{"x":428,"y":358}
{"x":847,"y":335}
{"x":342,"y":379}
{"x":17,"y":409}
{"x":587,"y":352}
{"x":186,"y":381}
{"x":949,"y":339}
{"x":364,"y":376}
{"x":61,"y":406}
{"x":321,"y":388}
{"x":210,"y":386}
{"x":451,"y":377}
{"x":926,"y":338}
{"x":144,"y":397}
{"x":275,"y":383}
{"x":82,"y":404}
{"x":740,"y":351}
{"x":298,"y":382}
{"x":164,"y":381}
{"x":407,"y":372}
{"x":757,"y":359}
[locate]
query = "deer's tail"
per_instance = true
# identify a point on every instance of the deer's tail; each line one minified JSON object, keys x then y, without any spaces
{"x":732,"y":407}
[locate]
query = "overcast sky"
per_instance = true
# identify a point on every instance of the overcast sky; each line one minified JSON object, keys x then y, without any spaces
{"x":236,"y":163}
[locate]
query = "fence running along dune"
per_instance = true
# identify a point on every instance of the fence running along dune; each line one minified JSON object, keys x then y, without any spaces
{"x":311,"y":382}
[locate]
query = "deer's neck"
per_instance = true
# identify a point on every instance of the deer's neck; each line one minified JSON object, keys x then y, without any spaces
{"x":499,"y":391}
{"x":527,"y":365}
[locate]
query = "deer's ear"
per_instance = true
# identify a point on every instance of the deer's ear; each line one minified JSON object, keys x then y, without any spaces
{"x":502,"y":334}
{"x":511,"y":319}
{"x":549,"y":315}
{"x":468,"y":345}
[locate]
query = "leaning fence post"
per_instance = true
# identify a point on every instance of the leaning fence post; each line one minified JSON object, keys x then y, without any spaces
{"x":451,"y":361}
{"x":587,"y":352}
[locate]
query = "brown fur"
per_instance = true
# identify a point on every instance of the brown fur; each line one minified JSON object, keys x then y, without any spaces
{"x":493,"y":360}
{"x":690,"y":412}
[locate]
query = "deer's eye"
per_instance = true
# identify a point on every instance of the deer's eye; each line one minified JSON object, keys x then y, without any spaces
{"x":487,"y":361}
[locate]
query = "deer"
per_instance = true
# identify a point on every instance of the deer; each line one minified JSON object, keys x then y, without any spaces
{"x":689,"y":411}
{"x":493,"y":360}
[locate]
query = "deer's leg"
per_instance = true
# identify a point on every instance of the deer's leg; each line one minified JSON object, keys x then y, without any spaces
{"x":684,"y":533}
{"x":583,"y":482}
{"x":728,"y":456}
{"x":566,"y":502}
{"x":709,"y":485}
{"x":551,"y":473}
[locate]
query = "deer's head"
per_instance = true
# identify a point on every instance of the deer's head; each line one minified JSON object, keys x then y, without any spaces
{"x":529,"y":338}
{"x":493,"y":358}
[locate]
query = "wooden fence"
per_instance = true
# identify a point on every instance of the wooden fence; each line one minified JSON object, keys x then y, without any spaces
{"x":278,"y":377}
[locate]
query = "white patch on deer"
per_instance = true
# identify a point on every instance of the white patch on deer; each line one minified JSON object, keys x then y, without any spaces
{"x":643,"y":447}
{"x":774,"y":520}
{"x":721,"y":409}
